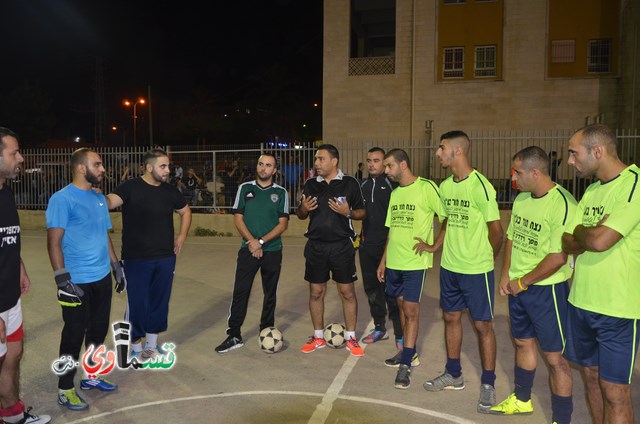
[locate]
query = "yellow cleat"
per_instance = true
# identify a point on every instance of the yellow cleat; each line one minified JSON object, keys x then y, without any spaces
{"x":512,"y":406}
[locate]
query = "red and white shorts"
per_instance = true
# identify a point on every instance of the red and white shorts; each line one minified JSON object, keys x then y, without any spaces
{"x":13,"y":326}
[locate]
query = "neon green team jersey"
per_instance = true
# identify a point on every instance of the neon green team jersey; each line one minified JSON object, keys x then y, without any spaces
{"x":607,"y":282}
{"x":469,"y":205}
{"x":535,"y":230}
{"x":410,"y":214}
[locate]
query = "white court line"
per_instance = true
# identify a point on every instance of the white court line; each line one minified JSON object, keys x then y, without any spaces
{"x":423,"y":411}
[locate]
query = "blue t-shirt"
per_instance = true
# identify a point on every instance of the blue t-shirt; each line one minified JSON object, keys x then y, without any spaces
{"x":84,"y":217}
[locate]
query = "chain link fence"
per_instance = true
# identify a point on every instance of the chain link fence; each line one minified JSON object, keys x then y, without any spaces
{"x":209,"y":178}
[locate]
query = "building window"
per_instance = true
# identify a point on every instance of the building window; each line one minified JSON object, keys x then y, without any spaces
{"x":484,"y":61}
{"x":599,"y":59}
{"x":453,"y":63}
{"x":373,"y":28}
{"x":563,"y":51}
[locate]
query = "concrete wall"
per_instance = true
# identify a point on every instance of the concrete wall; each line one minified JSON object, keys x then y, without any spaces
{"x":395,"y":107}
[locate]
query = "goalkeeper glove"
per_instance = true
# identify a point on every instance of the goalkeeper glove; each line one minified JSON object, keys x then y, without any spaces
{"x":69,"y":294}
{"x":119,"y":276}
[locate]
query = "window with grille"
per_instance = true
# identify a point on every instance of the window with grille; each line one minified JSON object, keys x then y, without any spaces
{"x":484,"y":61}
{"x":563,"y":51}
{"x":453,"y":62}
{"x":599,"y":59}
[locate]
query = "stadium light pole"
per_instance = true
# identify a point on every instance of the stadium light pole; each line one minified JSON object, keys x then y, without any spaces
{"x":135,"y":117}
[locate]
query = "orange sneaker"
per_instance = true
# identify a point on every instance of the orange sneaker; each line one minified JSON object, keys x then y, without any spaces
{"x":354,"y":347}
{"x":313,"y":344}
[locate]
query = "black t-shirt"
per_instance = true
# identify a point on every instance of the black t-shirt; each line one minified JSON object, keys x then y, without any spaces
{"x":147,"y":218}
{"x":9,"y":250}
{"x":326,"y":225}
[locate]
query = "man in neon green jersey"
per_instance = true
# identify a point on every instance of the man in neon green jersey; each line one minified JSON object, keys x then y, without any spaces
{"x":472,"y":237}
{"x":404,"y":263}
{"x":535,"y":273}
{"x":603,"y":311}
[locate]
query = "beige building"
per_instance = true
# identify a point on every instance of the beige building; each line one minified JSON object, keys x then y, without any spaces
{"x":413,"y":69}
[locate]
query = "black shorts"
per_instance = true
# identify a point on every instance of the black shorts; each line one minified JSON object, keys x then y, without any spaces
{"x":338,"y":257}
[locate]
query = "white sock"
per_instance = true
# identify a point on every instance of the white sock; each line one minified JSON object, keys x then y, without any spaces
{"x":137,"y":347}
{"x":319,"y":333}
{"x":348,"y":335}
{"x":152,"y":340}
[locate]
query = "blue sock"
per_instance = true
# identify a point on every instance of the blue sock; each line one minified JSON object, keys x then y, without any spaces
{"x":407,"y":355}
{"x":524,"y":383}
{"x":453,"y":367}
{"x":562,"y":408}
{"x":488,"y":377}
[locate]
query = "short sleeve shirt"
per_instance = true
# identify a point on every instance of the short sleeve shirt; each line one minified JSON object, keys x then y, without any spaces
{"x":262,"y":208}
{"x":324,"y":224}
{"x":410,"y":214}
{"x":84,"y":217}
{"x":469,"y":205}
{"x":607,"y":282}
{"x":535,"y":230}
{"x":147,"y":218}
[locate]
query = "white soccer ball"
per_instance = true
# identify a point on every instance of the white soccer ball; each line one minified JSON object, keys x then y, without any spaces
{"x":334,"y":335}
{"x":271,"y":340}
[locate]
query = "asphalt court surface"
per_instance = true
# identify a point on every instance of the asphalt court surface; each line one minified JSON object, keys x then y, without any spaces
{"x":249,"y":386}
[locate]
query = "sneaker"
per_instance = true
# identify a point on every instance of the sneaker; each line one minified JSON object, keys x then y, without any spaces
{"x":98,"y":383}
{"x":375,"y":336}
{"x":395,"y":360}
{"x":229,"y":343}
{"x":511,"y":406}
{"x":444,"y":382}
{"x":71,"y":400}
{"x":403,"y":377}
{"x":151,"y":352}
{"x":354,"y":347}
{"x":34,"y":419}
{"x":488,"y":398}
{"x":313,"y":344}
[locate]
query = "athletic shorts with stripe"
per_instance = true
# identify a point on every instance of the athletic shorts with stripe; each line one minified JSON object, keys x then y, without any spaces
{"x":405,"y":284}
{"x":467,"y":291}
{"x":608,"y":342}
{"x":541,"y":313}
{"x":13,"y":325}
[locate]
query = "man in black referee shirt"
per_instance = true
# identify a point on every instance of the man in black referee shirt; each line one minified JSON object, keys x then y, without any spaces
{"x":331,"y":200}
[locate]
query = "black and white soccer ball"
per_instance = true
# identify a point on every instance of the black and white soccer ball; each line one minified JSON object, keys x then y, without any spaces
{"x":334,"y":335}
{"x":271,"y":340}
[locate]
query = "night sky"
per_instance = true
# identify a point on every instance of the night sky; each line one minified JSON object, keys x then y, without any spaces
{"x":256,"y":55}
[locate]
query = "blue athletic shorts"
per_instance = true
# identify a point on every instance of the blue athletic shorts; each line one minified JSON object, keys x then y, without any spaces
{"x":467,"y":291}
{"x":541,"y":312}
{"x":405,"y":284}
{"x":600,"y":340}
{"x":337,"y":258}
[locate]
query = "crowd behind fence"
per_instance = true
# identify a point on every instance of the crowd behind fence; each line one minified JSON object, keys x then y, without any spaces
{"x":209,"y":178}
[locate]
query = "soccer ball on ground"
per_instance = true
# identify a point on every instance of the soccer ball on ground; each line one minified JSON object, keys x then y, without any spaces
{"x":334,"y":335}
{"x":271,"y":340}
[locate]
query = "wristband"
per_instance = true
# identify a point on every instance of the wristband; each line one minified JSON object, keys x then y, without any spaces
{"x":525,"y":288}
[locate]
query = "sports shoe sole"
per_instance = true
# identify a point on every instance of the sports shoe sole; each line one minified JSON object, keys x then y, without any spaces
{"x":229,"y":349}
{"x":311,"y":351}
{"x":434,"y":389}
{"x":401,"y":386}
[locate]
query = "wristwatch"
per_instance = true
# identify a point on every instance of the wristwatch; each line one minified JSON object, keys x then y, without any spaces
{"x":261,"y":242}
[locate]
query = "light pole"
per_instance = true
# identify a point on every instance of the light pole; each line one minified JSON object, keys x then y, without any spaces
{"x":115,"y":129}
{"x":135,"y":117}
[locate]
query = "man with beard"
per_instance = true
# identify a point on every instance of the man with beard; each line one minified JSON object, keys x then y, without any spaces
{"x":403,"y":267}
{"x":14,"y":282}
{"x":471,"y":235}
{"x":80,"y":252}
{"x":149,"y":248}
{"x":603,"y":312}
{"x":261,"y":215}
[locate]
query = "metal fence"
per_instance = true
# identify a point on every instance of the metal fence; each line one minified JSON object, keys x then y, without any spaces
{"x":217,"y":172}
